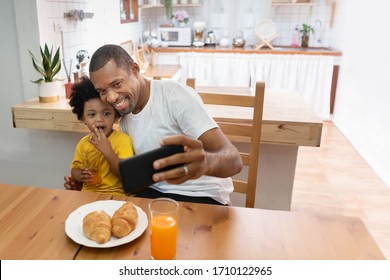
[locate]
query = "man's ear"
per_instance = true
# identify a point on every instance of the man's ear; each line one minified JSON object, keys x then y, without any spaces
{"x":134,"y":68}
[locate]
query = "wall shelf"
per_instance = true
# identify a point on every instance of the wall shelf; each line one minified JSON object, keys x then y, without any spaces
{"x":292,"y":4}
{"x":146,"y":6}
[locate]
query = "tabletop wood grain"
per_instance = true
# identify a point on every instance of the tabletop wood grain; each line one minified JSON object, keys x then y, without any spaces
{"x":32,"y":227}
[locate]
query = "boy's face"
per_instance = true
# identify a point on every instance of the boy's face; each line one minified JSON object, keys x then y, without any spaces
{"x":99,"y":114}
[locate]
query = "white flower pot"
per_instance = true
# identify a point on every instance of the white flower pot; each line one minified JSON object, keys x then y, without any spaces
{"x":50,"y":92}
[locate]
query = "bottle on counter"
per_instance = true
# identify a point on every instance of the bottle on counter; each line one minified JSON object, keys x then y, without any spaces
{"x":295,"y":36}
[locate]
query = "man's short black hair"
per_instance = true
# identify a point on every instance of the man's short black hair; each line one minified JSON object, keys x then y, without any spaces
{"x":107,"y":52}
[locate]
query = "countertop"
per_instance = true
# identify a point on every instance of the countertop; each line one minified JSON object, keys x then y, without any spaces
{"x":250,"y":50}
{"x":287,"y":119}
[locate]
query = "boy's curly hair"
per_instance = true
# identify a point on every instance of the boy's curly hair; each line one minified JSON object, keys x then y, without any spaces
{"x":83,"y":91}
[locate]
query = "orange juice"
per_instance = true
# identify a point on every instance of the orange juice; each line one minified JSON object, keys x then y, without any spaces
{"x":163,"y":235}
{"x":95,"y":179}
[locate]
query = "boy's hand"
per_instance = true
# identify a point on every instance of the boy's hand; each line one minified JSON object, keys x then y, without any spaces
{"x":100,"y":141}
{"x":71,"y":184}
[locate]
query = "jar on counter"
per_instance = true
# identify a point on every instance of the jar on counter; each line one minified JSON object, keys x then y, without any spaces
{"x":224,"y":42}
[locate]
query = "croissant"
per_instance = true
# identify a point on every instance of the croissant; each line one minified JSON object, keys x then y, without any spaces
{"x":97,"y":226}
{"x":124,"y":220}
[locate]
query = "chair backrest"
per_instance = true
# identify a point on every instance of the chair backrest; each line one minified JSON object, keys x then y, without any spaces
{"x":246,"y":132}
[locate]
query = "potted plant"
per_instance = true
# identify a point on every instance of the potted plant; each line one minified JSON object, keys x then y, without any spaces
{"x":48,"y":67}
{"x":305,"y":30}
{"x":181,"y":17}
{"x":168,"y":9}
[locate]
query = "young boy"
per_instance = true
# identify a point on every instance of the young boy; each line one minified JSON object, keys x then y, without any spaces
{"x":103,"y":148}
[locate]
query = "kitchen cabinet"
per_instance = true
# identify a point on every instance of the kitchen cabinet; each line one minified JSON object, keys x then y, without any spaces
{"x":129,"y":11}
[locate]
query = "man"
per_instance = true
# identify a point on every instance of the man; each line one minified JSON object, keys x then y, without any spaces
{"x":165,"y":112}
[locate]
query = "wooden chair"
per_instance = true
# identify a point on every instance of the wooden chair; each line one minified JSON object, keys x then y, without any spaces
{"x":242,"y":132}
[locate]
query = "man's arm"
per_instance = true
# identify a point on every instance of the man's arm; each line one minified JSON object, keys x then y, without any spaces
{"x":212,"y":154}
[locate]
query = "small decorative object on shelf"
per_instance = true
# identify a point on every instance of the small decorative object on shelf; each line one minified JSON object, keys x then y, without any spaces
{"x":305,"y":30}
{"x":181,"y":17}
{"x":168,"y":8}
{"x":68,"y":71}
{"x":294,"y":40}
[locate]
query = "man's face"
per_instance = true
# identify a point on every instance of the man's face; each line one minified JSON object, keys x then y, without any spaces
{"x":117,"y":87}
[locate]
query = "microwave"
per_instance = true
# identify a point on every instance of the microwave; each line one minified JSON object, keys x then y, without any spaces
{"x":175,"y":36}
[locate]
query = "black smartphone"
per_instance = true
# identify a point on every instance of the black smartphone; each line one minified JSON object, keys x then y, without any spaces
{"x":137,"y":171}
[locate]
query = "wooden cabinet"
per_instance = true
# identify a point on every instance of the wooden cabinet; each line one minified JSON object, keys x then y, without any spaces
{"x":129,"y":11}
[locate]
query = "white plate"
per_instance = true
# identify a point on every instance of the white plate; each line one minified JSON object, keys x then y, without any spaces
{"x":74,"y":224}
{"x":266,"y":28}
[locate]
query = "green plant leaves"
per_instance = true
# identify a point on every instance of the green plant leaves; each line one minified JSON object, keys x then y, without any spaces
{"x":168,"y":9}
{"x":49,"y":67}
{"x":306,"y":29}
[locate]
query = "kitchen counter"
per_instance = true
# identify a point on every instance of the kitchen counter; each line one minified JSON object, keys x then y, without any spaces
{"x":287,"y":119}
{"x":250,"y":50}
{"x":215,"y":65}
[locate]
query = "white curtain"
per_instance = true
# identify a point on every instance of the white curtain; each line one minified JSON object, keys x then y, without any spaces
{"x":217,"y":69}
{"x":309,"y":75}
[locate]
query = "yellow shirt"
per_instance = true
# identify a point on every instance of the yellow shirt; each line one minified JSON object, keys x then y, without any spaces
{"x":122,"y":145}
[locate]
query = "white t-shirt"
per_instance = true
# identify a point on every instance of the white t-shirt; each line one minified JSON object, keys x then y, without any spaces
{"x":175,"y":109}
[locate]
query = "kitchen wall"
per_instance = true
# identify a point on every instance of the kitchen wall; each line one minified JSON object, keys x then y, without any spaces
{"x":42,"y":158}
{"x":88,"y":34}
{"x":362,"y":103}
{"x":233,"y":17}
{"x":105,"y":27}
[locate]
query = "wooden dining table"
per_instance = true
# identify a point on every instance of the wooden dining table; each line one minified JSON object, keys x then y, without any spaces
{"x":32,"y":226}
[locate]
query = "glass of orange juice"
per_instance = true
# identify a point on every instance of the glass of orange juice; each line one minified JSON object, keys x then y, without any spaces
{"x":163,"y":228}
{"x":91,"y":161}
